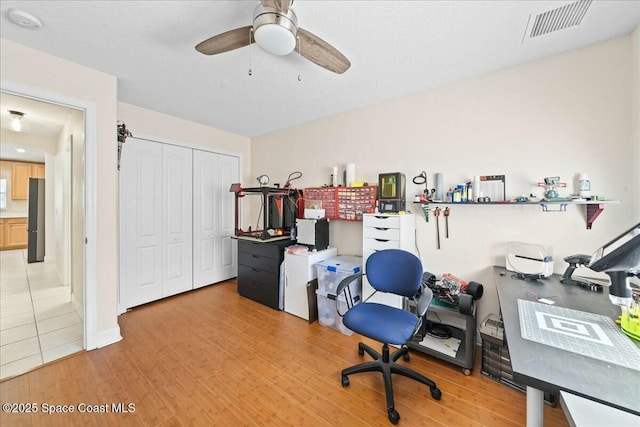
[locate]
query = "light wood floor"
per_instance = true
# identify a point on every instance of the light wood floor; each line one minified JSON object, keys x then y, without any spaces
{"x":211,"y":357}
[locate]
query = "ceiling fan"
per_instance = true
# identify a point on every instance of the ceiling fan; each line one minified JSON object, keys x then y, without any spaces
{"x":275,"y":29}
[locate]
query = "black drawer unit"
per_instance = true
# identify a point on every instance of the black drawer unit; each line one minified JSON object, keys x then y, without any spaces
{"x":496,"y":361}
{"x":259,"y":270}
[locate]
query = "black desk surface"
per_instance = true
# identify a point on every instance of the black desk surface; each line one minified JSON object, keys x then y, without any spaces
{"x":551,"y":369}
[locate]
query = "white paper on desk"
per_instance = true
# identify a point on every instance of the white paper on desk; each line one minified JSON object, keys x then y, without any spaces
{"x":448,"y":346}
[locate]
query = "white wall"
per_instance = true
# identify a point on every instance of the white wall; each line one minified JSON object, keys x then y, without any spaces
{"x":46,"y":73}
{"x":561,"y":115}
{"x":141,"y":121}
{"x":61,"y":215}
{"x":78,"y":200}
{"x":635,"y":117}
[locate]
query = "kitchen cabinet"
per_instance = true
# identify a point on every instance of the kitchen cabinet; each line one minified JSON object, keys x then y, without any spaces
{"x":13,"y":233}
{"x":37,"y":170}
{"x":20,"y":174}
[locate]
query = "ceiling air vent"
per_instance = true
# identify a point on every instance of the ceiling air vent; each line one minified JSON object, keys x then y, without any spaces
{"x":560,"y":18}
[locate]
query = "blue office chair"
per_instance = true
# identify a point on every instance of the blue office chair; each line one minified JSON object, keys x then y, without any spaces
{"x":398,"y":272}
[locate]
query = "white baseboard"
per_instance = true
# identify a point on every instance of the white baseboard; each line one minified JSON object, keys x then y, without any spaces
{"x":109,"y":337}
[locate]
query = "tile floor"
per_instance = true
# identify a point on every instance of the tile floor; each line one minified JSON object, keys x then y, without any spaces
{"x":38,"y":323}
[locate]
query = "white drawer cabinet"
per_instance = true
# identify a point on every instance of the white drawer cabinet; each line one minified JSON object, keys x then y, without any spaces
{"x":299,"y":270}
{"x":386,"y":231}
{"x":382,"y":220}
{"x":382,"y":234}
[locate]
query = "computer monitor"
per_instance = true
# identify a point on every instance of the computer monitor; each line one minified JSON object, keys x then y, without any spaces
{"x":620,"y":254}
{"x":618,"y":259}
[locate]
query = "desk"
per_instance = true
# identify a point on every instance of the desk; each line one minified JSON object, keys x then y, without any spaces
{"x":542,"y":368}
{"x":587,"y":413}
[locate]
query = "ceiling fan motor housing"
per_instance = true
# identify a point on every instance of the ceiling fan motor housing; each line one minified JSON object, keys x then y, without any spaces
{"x":275,"y":32}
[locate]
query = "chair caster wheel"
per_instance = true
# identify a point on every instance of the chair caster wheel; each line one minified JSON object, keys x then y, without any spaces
{"x":394,"y":416}
{"x":345,"y":381}
{"x":360,"y":351}
{"x":436,"y":393}
{"x":406,"y":357}
{"x":466,"y":372}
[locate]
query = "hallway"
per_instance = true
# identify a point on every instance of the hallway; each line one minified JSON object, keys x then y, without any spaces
{"x":38,"y":322}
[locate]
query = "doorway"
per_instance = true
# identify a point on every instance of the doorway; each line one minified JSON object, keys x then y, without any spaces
{"x":43,"y":303}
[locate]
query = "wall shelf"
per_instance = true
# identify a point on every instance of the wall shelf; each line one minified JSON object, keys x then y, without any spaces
{"x":593,"y":208}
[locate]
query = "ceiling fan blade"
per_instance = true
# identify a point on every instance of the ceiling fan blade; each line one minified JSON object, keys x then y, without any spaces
{"x":320,"y":52}
{"x":225,"y":42}
{"x":281,"y":6}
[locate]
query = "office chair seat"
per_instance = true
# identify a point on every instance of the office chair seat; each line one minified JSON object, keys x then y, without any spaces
{"x":399,"y":272}
{"x":381,"y":322}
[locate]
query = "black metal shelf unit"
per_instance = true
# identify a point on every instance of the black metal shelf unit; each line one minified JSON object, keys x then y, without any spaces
{"x":279,"y":210}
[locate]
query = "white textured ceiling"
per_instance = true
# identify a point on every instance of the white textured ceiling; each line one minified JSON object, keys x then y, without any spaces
{"x":395,"y":47}
{"x":42,"y":122}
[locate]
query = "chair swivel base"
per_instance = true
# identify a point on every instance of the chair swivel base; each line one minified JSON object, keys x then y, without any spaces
{"x":386,"y":364}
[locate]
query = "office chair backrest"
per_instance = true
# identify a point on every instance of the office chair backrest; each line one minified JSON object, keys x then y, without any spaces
{"x":394,"y":271}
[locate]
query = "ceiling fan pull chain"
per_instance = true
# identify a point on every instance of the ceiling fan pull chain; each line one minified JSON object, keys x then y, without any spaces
{"x":299,"y":57}
{"x":250,"y":50}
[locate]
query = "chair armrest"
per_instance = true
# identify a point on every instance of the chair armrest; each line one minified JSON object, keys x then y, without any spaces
{"x":344,"y":282}
{"x":343,"y":286}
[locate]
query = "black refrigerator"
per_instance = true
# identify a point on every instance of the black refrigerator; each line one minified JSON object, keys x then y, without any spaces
{"x":35,"y":225}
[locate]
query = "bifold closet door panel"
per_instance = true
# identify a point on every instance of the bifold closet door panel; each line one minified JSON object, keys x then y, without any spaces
{"x":177,"y":259}
{"x":142,"y":236}
{"x":214,"y":250}
{"x":228,"y":173}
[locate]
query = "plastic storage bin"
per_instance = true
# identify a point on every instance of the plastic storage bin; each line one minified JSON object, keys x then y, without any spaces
{"x":330,"y":273}
{"x":328,"y":311}
{"x":333,"y":270}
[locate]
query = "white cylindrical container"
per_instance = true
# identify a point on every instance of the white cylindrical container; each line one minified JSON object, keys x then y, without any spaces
{"x":476,"y":189}
{"x":584,"y":185}
{"x":439,"y":187}
{"x":351,"y":174}
{"x":334,"y":177}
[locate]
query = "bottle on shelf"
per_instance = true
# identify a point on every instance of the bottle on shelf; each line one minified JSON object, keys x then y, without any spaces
{"x":584,"y":185}
{"x":476,"y":188}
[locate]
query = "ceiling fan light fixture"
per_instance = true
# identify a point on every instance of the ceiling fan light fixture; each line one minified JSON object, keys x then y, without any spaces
{"x":275,"y":39}
{"x":275,"y":32}
{"x":16,"y":120}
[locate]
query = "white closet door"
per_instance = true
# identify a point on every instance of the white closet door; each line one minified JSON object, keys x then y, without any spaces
{"x":177,"y":245}
{"x":228,"y":173}
{"x":214,"y":254}
{"x":141,"y":186}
